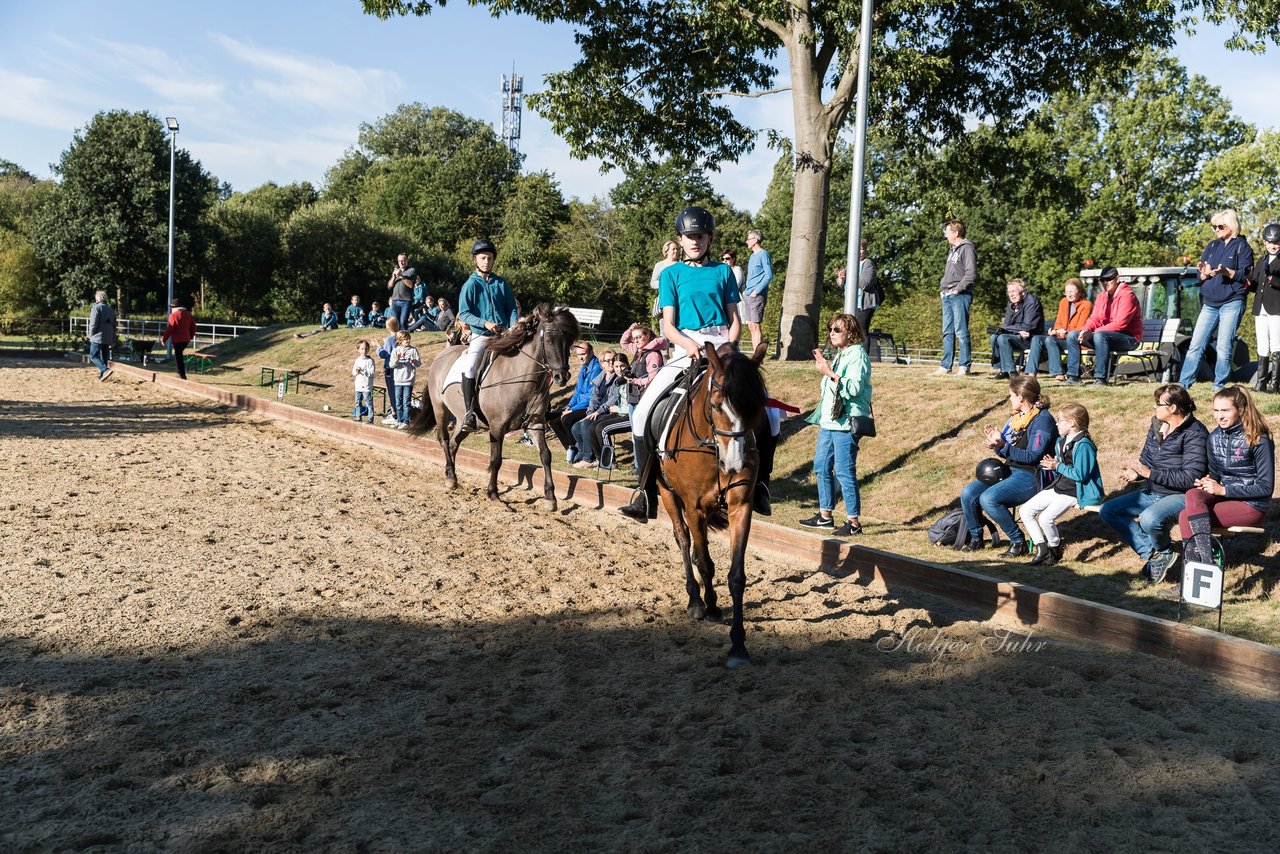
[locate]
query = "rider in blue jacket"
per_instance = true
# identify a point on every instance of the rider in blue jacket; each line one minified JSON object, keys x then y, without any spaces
{"x":487,"y":305}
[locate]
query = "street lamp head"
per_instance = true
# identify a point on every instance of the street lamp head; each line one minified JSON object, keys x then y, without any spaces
{"x":172,"y":123}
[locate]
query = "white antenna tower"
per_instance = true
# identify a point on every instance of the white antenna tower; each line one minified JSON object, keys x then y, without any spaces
{"x":512,"y":101}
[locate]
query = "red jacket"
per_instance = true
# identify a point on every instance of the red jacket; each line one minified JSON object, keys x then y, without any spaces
{"x":181,"y":327}
{"x":1118,"y":312}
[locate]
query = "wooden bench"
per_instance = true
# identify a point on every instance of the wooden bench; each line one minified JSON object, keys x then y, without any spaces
{"x":201,"y":362}
{"x":588,"y":318}
{"x":267,"y":376}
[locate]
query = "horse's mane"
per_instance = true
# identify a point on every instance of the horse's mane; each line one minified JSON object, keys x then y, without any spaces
{"x":510,"y":342}
{"x":744,"y":386}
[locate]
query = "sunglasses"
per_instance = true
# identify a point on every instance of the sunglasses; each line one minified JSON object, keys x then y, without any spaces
{"x":1220,"y":228}
{"x":836,"y":330}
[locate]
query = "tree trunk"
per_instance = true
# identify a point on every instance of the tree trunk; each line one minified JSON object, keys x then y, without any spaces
{"x":814,"y":144}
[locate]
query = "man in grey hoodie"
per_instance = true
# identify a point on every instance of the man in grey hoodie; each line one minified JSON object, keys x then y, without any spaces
{"x":957,"y":296}
{"x":101,"y":333}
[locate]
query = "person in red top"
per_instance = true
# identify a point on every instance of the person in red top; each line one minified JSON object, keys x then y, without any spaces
{"x":181,"y":330}
{"x":1115,"y":325}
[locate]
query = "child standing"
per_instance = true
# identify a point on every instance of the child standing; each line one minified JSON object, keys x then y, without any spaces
{"x":363,"y":371}
{"x":1079,"y":483}
{"x":404,"y":363}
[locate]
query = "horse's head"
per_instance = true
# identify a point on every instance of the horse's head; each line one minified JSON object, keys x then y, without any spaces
{"x":557,"y":331}
{"x":735,"y":401}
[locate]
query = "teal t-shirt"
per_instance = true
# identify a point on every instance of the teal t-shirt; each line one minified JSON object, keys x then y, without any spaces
{"x":701,"y":296}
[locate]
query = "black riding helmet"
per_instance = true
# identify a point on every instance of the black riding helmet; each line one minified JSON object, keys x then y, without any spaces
{"x":1272,"y":232}
{"x":991,"y":471}
{"x":484,"y":244}
{"x":695,"y":220}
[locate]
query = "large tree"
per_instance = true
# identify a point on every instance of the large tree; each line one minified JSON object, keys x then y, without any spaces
{"x":654,"y":79}
{"x":24,"y":289}
{"x":108,"y":225}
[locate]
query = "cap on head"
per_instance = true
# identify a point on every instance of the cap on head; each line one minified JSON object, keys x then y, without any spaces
{"x":1108,"y":273}
{"x":484,"y":244}
{"x":695,"y":220}
{"x":1271,"y":233}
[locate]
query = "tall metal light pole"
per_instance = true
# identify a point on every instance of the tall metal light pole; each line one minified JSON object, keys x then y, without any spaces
{"x":173,"y":148}
{"x":853,"y":262}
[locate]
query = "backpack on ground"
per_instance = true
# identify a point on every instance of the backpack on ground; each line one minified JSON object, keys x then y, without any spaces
{"x":951,"y":530}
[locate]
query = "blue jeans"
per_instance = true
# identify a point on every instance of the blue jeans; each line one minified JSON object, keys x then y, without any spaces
{"x":581,"y":432}
{"x":400,"y":311}
{"x":1040,"y":345}
{"x":1104,"y":344}
{"x":1002,"y":346}
{"x":1143,"y":519}
{"x":997,"y":502}
{"x":955,"y":327}
{"x":98,"y":354}
{"x":1227,"y":319}
{"x":364,"y":405}
{"x":835,"y":459}
{"x":404,"y":394}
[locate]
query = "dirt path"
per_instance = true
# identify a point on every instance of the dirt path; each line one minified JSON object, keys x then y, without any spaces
{"x":223,"y":634}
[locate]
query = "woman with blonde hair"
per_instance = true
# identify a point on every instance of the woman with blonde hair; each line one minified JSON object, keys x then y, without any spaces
{"x":1237,"y":489}
{"x":1224,"y":282}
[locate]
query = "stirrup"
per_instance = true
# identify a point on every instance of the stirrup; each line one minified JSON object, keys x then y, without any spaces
{"x":638,"y":509}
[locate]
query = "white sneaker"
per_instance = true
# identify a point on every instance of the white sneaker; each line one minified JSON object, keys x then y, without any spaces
{"x":964,"y":372}
{"x":568,"y":455}
{"x":943,"y":372}
{"x":390,"y":419}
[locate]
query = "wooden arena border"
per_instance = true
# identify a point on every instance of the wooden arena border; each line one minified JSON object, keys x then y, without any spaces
{"x":999,"y":601}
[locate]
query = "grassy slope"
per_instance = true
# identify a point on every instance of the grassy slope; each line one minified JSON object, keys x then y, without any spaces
{"x":930,"y":440}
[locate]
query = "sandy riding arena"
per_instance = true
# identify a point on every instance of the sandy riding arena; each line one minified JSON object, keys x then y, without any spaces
{"x":224,"y":634}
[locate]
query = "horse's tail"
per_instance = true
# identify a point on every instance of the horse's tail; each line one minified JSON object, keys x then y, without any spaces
{"x":425,"y":419}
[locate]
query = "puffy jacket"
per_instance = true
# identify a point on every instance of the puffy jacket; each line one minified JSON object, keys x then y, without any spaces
{"x":1082,"y":469}
{"x":1246,"y":471}
{"x":1178,"y":460}
{"x":599,"y":389}
{"x":582,"y":391}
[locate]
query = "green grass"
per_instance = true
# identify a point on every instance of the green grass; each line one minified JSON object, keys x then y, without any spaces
{"x":929,"y":443}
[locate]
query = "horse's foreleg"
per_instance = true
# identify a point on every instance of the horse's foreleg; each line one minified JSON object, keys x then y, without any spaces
{"x":739,"y":532}
{"x":697,"y":521}
{"x":676,"y":510}
{"x":495,"y":463}
{"x":539,"y":435}
{"x":442,"y":426}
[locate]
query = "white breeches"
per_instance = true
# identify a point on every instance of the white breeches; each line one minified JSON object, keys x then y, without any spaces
{"x":1040,"y":515}
{"x":1267,"y":331}
{"x":667,"y":375}
{"x":479,"y":343}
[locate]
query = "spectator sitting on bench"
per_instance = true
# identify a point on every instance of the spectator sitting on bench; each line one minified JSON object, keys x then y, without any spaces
{"x":1073,"y":314}
{"x":355,"y":314}
{"x":561,"y":421}
{"x":377,"y":319}
{"x":599,"y":391}
{"x":1114,"y":326}
{"x":1023,"y":318}
{"x":444,"y":315}
{"x":328,"y":318}
{"x":615,"y":417}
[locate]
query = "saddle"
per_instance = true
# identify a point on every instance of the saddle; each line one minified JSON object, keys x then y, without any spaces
{"x":671,"y":406}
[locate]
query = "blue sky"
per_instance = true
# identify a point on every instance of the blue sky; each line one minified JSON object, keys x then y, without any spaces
{"x":273,"y":90}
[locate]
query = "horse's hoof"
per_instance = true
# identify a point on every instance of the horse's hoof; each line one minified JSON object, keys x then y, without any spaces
{"x":737,"y":659}
{"x":450,"y":483}
{"x":493,"y":495}
{"x":552,"y":506}
{"x":713,"y":613}
{"x":697,"y":612}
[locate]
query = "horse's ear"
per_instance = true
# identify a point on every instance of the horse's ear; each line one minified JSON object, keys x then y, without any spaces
{"x":713,"y":358}
{"x":757,"y":355}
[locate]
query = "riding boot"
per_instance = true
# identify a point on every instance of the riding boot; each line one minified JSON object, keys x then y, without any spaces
{"x":469,"y":401}
{"x":644,"y":501}
{"x":766,"y":444}
{"x":1263,"y":375}
{"x":1275,"y":373}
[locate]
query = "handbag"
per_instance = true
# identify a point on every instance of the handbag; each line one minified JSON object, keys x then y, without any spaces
{"x":863,"y":425}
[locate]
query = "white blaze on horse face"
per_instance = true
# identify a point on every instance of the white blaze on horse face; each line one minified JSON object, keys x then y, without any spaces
{"x":732,"y":449}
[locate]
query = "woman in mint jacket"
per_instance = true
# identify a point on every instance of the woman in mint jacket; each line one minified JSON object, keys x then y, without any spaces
{"x":846,"y":385}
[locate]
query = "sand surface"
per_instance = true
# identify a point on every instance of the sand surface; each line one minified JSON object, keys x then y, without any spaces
{"x":219,"y":633}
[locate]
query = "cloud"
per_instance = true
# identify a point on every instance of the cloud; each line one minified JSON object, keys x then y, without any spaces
{"x":295,"y":79}
{"x":37,"y":101}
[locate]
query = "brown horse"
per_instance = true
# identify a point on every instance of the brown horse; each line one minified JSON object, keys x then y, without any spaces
{"x":711,"y":460}
{"x":515,"y":392}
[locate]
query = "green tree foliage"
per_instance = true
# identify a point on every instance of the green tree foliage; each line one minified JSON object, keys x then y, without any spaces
{"x":331,"y":251}
{"x":244,"y":255}
{"x":653,"y":80}
{"x":1245,"y":177}
{"x":531,"y":220}
{"x":278,"y":202}
{"x":108,"y":225}
{"x":436,"y":174}
{"x":24,"y":288}
{"x":595,"y":241}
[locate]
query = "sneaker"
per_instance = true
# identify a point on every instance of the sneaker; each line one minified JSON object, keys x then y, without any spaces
{"x":964,"y":371}
{"x":1071,"y":380}
{"x":389,"y":420}
{"x":525,"y":439}
{"x":943,"y":372}
{"x":105,"y":374}
{"x":584,"y":464}
{"x":1158,"y":565}
{"x":1097,"y":383}
{"x":569,"y":455}
{"x":1000,"y":375}
{"x":848,"y":529}
{"x":817,"y":520}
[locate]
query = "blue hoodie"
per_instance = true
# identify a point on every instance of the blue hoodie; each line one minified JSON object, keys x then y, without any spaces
{"x":582,"y":391}
{"x":491,"y":301}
